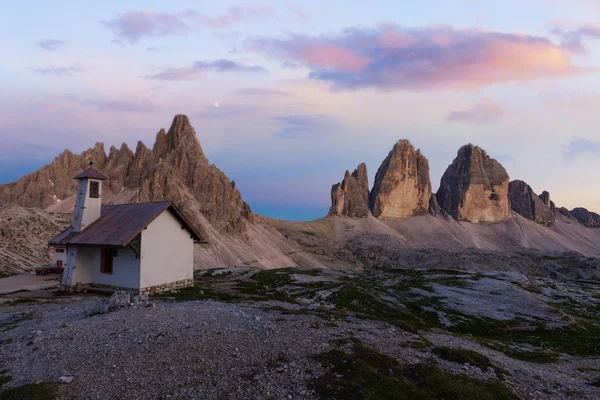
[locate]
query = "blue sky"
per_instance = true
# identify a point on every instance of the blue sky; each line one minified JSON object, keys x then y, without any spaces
{"x":307,"y":90}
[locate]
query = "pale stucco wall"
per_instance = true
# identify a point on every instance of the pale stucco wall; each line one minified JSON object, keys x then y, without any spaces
{"x":59,"y":256}
{"x":87,"y":209}
{"x":126,"y":268}
{"x":167,"y":252}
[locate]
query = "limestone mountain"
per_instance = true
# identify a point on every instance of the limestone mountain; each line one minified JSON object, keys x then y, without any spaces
{"x":177,"y":170}
{"x":526,"y":203}
{"x":350,"y":198}
{"x":474,"y":188}
{"x":402,"y":186}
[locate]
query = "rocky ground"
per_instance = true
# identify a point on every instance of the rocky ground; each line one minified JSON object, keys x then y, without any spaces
{"x":311,"y":334}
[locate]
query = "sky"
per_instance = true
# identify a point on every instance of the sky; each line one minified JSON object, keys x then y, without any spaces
{"x":287,"y":95}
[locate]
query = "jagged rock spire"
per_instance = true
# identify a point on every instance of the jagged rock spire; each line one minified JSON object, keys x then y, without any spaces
{"x":351,"y":197}
{"x":402,"y":186}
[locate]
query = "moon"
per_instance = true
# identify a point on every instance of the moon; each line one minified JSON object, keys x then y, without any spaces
{"x":216,"y":105}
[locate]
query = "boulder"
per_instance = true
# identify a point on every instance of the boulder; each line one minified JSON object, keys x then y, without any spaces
{"x":526,"y":203}
{"x":402,"y":187}
{"x":350,"y":198}
{"x":474,"y":188}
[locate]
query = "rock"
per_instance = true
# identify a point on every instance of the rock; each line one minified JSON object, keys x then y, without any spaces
{"x":402,"y":187}
{"x":587,"y":218}
{"x":545,"y":197}
{"x":118,"y":299}
{"x":141,"y":298}
{"x":526,"y":203}
{"x":350,"y":198}
{"x":564,"y":211}
{"x":99,"y":307}
{"x":474,"y":188}
{"x":65,"y":379}
{"x":78,"y":287}
{"x":434,"y":207}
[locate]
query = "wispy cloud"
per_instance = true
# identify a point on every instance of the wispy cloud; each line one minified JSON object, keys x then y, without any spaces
{"x":485,"y":112}
{"x":52,"y":44}
{"x":236,"y":14}
{"x":260,"y":92}
{"x":573,"y":39}
{"x":124,"y":104}
{"x":153,"y":49}
{"x":580,"y":146}
{"x":306,"y":126}
{"x":195,"y":71}
{"x":134,"y":25}
{"x":389,"y":57}
{"x":59,"y":71}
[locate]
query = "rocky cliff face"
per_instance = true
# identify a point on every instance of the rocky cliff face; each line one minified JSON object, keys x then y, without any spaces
{"x":474,"y":188}
{"x":350,"y":198}
{"x":402,"y":187}
{"x":175,"y":169}
{"x":587,"y":218}
{"x":525,"y":202}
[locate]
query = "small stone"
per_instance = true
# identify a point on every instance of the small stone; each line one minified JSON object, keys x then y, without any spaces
{"x":65,"y":379}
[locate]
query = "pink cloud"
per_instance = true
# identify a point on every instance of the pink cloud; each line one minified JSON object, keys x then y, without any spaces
{"x":485,"y":112}
{"x":335,"y":57}
{"x":435,"y":57}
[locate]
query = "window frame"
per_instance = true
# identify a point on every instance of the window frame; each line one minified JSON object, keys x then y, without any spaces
{"x":94,"y":190}
{"x":107,"y":262}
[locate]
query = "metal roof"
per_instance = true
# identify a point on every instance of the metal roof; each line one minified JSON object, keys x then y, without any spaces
{"x":120,"y":224}
{"x":90,"y":173}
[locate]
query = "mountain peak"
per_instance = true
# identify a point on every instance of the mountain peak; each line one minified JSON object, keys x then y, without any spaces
{"x":402,"y":187}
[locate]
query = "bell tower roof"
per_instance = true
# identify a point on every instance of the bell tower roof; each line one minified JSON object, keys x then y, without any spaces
{"x":90,"y":173}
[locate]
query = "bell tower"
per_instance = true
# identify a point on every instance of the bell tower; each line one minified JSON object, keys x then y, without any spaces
{"x":89,"y":198}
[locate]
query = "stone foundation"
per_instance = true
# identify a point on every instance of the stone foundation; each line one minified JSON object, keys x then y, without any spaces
{"x":158,"y":289}
{"x":168,"y":287}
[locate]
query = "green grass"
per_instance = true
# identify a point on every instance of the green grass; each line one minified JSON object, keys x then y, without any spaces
{"x":4,"y":379}
{"x":366,"y":374}
{"x":40,"y":391}
{"x":7,"y":326}
{"x":21,"y":300}
{"x":198,"y":293}
{"x":462,"y":356}
{"x":583,"y":340}
{"x":595,"y":383}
